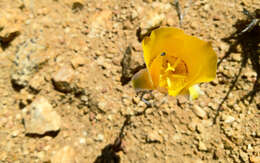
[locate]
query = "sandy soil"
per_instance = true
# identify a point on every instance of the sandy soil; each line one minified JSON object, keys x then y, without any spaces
{"x":74,"y":58}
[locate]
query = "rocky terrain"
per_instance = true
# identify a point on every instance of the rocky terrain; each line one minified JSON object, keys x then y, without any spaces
{"x":65,"y":67}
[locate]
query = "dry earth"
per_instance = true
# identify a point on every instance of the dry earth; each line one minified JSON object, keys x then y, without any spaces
{"x":65,"y":92}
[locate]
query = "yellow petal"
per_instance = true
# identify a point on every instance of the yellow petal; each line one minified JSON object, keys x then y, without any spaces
{"x":194,"y":92}
{"x":142,"y":80}
{"x":155,"y":70}
{"x":152,"y":45}
{"x":177,"y":84}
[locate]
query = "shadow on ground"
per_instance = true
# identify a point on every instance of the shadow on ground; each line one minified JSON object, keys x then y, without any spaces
{"x":247,"y":36}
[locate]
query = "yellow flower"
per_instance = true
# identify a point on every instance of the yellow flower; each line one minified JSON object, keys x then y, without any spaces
{"x":176,"y":63}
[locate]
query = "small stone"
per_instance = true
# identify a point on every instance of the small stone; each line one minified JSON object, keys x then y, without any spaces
{"x":192,"y":126}
{"x":36,"y":82}
{"x":78,"y":62}
{"x":257,"y":133}
{"x":100,"y":138}
{"x":110,"y":117}
{"x":98,"y":117}
{"x":223,"y":46}
{"x":41,"y":155}
{"x":202,"y":146}
{"x":3,"y":156}
{"x":249,"y":147}
{"x":199,"y":112}
{"x":77,"y":6}
{"x":154,"y":20}
{"x":217,"y":154}
{"x":9,"y":26}
{"x":153,"y":137}
{"x":237,"y":57}
{"x":41,"y":118}
{"x":102,"y":106}
{"x":15,"y":133}
{"x":82,"y":141}
{"x":254,"y":159}
{"x":243,"y":156}
{"x":229,"y":119}
{"x":63,"y":78}
{"x":65,"y":155}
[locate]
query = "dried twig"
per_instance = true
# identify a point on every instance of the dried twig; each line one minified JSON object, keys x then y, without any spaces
{"x":178,"y":10}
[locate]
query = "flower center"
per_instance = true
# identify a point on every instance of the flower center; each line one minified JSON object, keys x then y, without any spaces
{"x":173,"y":74}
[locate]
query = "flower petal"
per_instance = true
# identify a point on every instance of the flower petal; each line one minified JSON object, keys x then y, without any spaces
{"x":142,"y":80}
{"x":152,"y":46}
{"x":155,"y":70}
{"x":194,"y":92}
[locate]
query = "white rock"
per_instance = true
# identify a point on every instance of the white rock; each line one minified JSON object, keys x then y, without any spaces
{"x":82,"y":141}
{"x":229,"y":119}
{"x":100,"y":138}
{"x":41,"y":118}
{"x":64,"y":155}
{"x":15,"y":133}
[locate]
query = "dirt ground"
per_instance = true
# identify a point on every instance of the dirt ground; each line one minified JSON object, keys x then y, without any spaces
{"x":75,"y":58}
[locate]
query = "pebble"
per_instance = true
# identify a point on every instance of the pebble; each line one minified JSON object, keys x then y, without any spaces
{"x":99,"y":138}
{"x":229,"y":119}
{"x":65,"y":155}
{"x":41,"y":118}
{"x":199,"y":112}
{"x":41,"y":155}
{"x":37,"y":82}
{"x":243,"y":156}
{"x":153,"y":137}
{"x":62,"y":79}
{"x":78,"y":62}
{"x":254,"y":159}
{"x":15,"y":133}
{"x":202,"y":146}
{"x":236,"y":57}
{"x":82,"y":141}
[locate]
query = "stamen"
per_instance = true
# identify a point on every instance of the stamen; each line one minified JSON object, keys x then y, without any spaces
{"x":176,"y":63}
{"x":178,"y":76}
{"x":169,"y":67}
{"x":169,"y":82}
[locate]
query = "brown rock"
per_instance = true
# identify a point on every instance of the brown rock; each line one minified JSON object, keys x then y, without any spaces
{"x":202,"y":146}
{"x":64,"y":155}
{"x":199,"y":112}
{"x":78,"y":61}
{"x":62,"y":79}
{"x":153,"y":137}
{"x":41,"y":118}
{"x":9,"y":26}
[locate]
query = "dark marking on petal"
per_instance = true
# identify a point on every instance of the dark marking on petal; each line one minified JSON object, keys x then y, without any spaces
{"x":163,"y":54}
